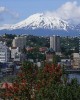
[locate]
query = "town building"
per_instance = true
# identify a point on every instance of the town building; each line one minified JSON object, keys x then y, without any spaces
{"x":66,"y":63}
{"x":19,"y":41}
{"x":55,"y":43}
{"x":42,"y":49}
{"x":8,"y":68}
{"x":15,"y":53}
{"x":4,"y":52}
{"x":49,"y":55}
{"x":76,"y":60}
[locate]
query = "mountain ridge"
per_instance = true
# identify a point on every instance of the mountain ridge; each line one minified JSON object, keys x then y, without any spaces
{"x":40,"y":21}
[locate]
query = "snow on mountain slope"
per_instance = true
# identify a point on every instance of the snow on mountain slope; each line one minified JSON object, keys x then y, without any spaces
{"x":41,"y":20}
{"x":5,"y":26}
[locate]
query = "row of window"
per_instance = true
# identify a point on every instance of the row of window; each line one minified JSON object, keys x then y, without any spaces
{"x":2,"y":57}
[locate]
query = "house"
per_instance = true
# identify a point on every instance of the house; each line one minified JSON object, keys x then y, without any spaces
{"x":4,"y":52}
{"x":49,"y":55}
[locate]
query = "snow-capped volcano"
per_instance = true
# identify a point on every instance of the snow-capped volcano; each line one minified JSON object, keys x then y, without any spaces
{"x":40,"y":24}
{"x":41,"y":20}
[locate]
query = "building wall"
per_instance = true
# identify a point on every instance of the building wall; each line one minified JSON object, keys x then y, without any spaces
{"x":55,"y":43}
{"x":76,"y":60}
{"x":49,"y":57}
{"x":19,"y":42}
{"x":15,"y":54}
{"x":13,"y":51}
{"x":4,"y":53}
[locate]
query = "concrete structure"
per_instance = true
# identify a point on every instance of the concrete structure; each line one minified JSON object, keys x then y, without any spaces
{"x":17,"y":56}
{"x":4,"y":53}
{"x":19,"y":41}
{"x":15,"y":53}
{"x":76,"y":60}
{"x":49,"y":55}
{"x":55,"y":43}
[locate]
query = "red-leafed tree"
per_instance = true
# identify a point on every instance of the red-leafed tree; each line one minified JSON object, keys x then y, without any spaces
{"x":32,"y":81}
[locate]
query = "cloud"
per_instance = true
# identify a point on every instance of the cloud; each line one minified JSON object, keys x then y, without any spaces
{"x":5,"y":11}
{"x":2,"y":9}
{"x":69,"y":11}
{"x":13,"y":14}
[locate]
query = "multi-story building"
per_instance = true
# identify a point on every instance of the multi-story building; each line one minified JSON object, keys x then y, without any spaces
{"x":50,"y":55}
{"x":15,"y":53}
{"x":19,"y":41}
{"x":76,"y":60}
{"x":4,"y":53}
{"x":55,"y":43}
{"x":14,"y":50}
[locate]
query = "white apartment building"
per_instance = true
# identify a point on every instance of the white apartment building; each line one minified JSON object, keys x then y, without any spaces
{"x":4,"y":53}
{"x":55,"y":43}
{"x":19,"y":41}
{"x":15,"y":53}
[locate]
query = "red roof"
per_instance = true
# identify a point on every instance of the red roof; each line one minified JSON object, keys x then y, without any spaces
{"x":6,"y":85}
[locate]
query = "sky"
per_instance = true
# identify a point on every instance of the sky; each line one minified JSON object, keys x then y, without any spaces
{"x":14,"y":11}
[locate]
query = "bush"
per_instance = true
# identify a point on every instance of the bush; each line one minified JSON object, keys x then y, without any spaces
{"x":40,"y":84}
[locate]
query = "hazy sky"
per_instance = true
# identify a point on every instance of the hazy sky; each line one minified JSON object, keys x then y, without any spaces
{"x":13,"y":11}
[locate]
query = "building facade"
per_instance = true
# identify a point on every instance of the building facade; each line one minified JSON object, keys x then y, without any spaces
{"x":19,"y":41}
{"x":55,"y":43}
{"x":15,"y":53}
{"x":4,"y":53}
{"x":50,"y":55}
{"x":76,"y":60}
